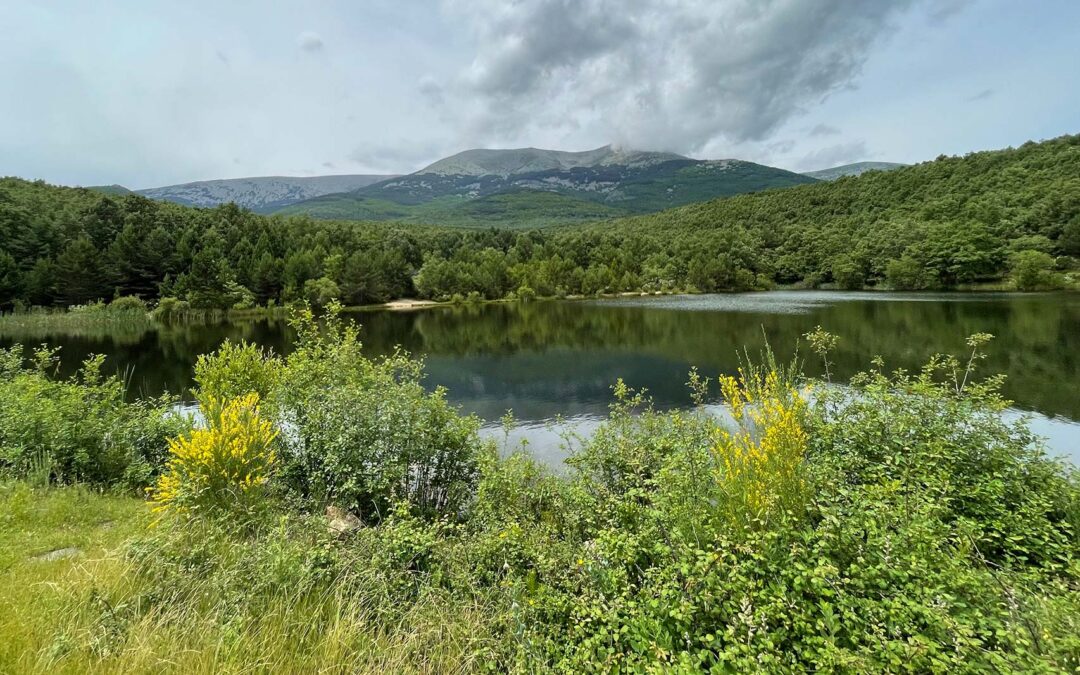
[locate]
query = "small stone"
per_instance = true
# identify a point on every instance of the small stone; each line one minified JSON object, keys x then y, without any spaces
{"x":58,"y":554}
{"x":340,"y":522}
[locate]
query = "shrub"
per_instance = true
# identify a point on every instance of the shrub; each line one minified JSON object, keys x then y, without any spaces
{"x":222,"y":467}
{"x":78,"y":430}
{"x":1033,"y":270}
{"x":170,"y":309}
{"x":236,"y":370}
{"x":759,"y":464}
{"x":907,"y":274}
{"x":364,"y":433}
{"x":128,"y":303}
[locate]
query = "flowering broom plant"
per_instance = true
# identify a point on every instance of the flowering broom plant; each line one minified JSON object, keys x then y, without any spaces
{"x":222,"y":466}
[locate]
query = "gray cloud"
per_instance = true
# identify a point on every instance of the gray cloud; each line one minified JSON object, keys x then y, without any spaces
{"x":655,"y":73}
{"x":401,"y":156}
{"x":982,"y":95}
{"x":783,"y":147}
{"x":941,"y":10}
{"x":833,"y":155}
{"x":431,"y":90}
{"x":823,"y":130}
{"x":309,"y":41}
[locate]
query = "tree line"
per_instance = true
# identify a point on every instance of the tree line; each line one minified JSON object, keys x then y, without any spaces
{"x":986,"y":216}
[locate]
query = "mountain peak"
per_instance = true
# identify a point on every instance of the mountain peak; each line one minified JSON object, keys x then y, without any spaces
{"x":483,"y":162}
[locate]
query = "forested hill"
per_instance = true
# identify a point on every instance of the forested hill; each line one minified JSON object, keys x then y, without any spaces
{"x":950,"y":221}
{"x":986,"y":216}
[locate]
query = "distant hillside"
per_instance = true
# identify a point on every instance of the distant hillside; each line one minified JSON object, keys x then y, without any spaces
{"x":856,"y":169}
{"x":260,"y":194}
{"x":1010,"y":217}
{"x":549,"y":187}
{"x":110,"y":189}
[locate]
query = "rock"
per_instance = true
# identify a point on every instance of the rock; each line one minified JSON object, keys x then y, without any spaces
{"x":58,"y":554}
{"x":340,"y":522}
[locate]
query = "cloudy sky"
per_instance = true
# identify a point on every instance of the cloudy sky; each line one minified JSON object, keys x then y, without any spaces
{"x":146,"y":93}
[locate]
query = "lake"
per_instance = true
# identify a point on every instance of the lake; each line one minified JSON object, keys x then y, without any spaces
{"x":553,"y":362}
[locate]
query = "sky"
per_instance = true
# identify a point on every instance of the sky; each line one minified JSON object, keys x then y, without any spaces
{"x":147,"y":93}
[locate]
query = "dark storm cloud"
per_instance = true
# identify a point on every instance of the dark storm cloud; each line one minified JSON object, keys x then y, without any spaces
{"x":659,"y":73}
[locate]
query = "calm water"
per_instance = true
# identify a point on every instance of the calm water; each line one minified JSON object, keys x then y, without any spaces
{"x":553,"y":363}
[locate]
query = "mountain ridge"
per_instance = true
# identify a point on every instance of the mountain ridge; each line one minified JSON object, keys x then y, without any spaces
{"x":507,"y":162}
{"x":600,"y":183}
{"x":262,"y":194}
{"x":853,"y":169}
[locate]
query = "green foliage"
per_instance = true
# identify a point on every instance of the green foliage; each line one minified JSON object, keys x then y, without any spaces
{"x":907,"y":274}
{"x":78,"y":430}
{"x":897,"y":524}
{"x":1033,"y":270}
{"x":359,"y":433}
{"x":128,"y":303}
{"x":940,"y":224}
{"x":235,"y":370}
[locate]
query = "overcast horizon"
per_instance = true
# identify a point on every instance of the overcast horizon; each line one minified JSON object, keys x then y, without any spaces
{"x":150,"y":94}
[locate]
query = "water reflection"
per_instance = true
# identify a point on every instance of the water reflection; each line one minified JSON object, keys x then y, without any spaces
{"x":550,"y":359}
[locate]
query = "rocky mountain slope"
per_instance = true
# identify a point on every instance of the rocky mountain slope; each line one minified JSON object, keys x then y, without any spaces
{"x":853,"y":170}
{"x":262,"y":194}
{"x":547,"y":187}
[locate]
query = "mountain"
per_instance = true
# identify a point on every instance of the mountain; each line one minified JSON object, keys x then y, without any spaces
{"x":115,"y":190}
{"x":261,"y":194}
{"x":855,"y":169}
{"x":546,"y":187}
{"x":531,"y":160}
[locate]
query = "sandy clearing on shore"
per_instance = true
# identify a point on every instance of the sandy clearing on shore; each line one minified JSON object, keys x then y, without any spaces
{"x":409,"y":303}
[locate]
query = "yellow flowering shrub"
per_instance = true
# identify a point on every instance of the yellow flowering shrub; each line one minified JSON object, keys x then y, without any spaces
{"x":758,"y":463}
{"x":220,"y":465}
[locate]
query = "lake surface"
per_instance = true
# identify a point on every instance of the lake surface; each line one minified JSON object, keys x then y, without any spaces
{"x":553,"y":363}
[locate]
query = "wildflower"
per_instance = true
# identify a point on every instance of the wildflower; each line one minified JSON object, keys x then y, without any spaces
{"x":220,"y":464}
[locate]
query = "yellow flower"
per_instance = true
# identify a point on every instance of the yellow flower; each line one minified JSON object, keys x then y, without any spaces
{"x":214,"y":465}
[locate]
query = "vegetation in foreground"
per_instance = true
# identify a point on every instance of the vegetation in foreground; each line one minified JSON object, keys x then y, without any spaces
{"x":333,"y":516}
{"x":1008,"y":217}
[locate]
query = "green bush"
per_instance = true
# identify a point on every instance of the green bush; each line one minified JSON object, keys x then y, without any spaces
{"x":364,"y":433}
{"x":894,"y":525}
{"x":170,"y":309}
{"x":78,"y":430}
{"x":235,"y":370}
{"x":1033,"y":271}
{"x":128,"y":303}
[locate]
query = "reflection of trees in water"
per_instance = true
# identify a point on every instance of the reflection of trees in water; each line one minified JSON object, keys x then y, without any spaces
{"x":1037,"y":345}
{"x":570,"y":352}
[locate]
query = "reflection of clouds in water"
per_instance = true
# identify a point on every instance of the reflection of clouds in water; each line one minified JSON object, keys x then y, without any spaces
{"x":791,"y":302}
{"x":1062,"y":436}
{"x":553,"y":441}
